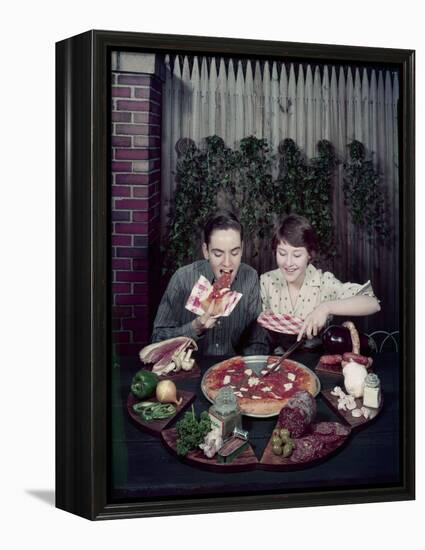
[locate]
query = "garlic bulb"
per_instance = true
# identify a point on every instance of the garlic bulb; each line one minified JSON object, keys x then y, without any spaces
{"x":354,"y":377}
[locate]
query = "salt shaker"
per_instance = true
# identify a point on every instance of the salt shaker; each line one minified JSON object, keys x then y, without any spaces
{"x":372,"y":391}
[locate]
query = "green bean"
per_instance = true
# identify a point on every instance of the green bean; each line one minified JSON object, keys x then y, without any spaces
{"x":150,"y":411}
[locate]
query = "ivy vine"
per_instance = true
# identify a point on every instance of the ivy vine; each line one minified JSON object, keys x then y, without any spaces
{"x":306,"y":188}
{"x":363,"y":195}
{"x":254,"y":190}
{"x":213,"y":175}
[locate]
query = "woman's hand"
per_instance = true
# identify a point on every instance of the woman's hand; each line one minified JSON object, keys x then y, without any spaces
{"x":205,"y":321}
{"x":314,"y":322}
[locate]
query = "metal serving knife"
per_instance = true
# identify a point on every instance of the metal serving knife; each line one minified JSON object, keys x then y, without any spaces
{"x":272,"y":367}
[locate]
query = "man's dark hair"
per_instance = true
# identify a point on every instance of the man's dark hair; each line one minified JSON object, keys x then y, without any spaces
{"x":222,"y":219}
{"x":297,"y":232}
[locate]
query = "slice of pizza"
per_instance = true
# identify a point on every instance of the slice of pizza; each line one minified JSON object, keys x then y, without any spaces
{"x":218,"y":290}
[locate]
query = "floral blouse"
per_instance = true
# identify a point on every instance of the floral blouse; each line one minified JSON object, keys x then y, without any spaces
{"x":317,"y":287}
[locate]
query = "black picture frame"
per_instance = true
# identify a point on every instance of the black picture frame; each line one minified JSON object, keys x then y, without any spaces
{"x":83,"y":326}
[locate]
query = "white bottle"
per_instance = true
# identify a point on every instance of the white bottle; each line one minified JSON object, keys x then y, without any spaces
{"x":372,"y":391}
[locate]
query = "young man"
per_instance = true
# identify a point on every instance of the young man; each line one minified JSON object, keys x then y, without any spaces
{"x":232,"y":335}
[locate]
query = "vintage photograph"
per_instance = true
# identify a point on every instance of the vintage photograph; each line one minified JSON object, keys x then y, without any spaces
{"x":255,"y":294}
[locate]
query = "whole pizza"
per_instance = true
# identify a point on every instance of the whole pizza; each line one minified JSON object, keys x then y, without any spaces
{"x":259,"y":396}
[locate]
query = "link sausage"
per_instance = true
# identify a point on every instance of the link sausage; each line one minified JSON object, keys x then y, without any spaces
{"x":331,"y":359}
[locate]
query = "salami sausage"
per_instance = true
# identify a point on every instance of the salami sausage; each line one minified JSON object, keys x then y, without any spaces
{"x":298,"y":413}
{"x":330,"y":433}
{"x":307,"y":448}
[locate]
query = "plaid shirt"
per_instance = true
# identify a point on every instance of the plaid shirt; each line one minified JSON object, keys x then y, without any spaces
{"x":238,"y":333}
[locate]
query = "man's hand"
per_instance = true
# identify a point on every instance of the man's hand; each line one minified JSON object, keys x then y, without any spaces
{"x":314,"y":322}
{"x":205,"y":321}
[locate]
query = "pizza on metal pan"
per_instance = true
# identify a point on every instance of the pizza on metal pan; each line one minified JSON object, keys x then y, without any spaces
{"x":256,"y":395}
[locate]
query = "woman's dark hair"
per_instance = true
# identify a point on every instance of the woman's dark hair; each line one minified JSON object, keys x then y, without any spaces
{"x":298,"y":232}
{"x":222,"y":219}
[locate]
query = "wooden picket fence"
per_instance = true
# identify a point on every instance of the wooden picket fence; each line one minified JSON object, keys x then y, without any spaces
{"x":235,"y":98}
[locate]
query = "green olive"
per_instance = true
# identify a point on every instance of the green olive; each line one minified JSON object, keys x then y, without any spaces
{"x":287,"y":450}
{"x":277,"y":449}
{"x":284,"y":434}
{"x":276,"y":432}
{"x":276,"y":440}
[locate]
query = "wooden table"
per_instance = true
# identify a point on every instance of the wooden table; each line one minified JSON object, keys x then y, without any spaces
{"x":144,"y":468}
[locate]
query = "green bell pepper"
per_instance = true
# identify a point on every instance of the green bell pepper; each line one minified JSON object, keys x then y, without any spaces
{"x":144,"y":383}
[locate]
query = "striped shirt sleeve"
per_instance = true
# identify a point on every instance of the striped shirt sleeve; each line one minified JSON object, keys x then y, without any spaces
{"x":235,"y":334}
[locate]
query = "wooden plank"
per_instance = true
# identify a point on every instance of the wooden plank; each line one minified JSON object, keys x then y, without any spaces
{"x":244,"y":462}
{"x":231,"y":106}
{"x":204,"y":99}
{"x":155,"y":427}
{"x":212,"y":95}
{"x":310,"y":143}
{"x":341,"y":151}
{"x":359,"y":422}
{"x":176,"y":126}
{"x":239,"y":127}
{"x":326,"y":123}
{"x":329,"y":445}
{"x":258,"y":101}
{"x":357,"y":104}
{"x":300,"y":110}
{"x":317,"y":106}
{"x":275,"y":114}
{"x":186,"y":100}
{"x":195,"y":113}
{"x":221,"y":112}
{"x":249,"y":100}
{"x":292,"y":121}
{"x":267,"y":132}
{"x":334,"y":125}
{"x":333,"y":107}
{"x":283,"y":100}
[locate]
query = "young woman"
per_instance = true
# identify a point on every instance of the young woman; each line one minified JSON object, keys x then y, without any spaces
{"x":299,"y":289}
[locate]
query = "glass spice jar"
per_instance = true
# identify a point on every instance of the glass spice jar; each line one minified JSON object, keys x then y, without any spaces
{"x":372,"y":391}
{"x":225,"y":414}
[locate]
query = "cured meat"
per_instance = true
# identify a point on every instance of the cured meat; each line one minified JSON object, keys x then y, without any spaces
{"x":330,"y":433}
{"x":360,"y":359}
{"x":324,"y":437}
{"x":331,"y":359}
{"x":298,"y":413}
{"x":307,"y":448}
{"x":216,"y":293}
{"x":221,"y":283}
{"x":164,"y":354}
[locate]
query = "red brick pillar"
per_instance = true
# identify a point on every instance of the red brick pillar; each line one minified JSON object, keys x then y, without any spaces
{"x":136,"y":188}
